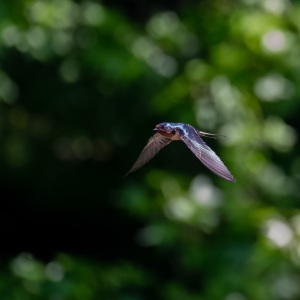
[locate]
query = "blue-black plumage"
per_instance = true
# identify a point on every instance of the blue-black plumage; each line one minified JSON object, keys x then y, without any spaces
{"x":168,"y":132}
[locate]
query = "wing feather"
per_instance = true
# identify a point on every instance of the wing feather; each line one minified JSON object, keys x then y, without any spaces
{"x":206,"y":155}
{"x":154,"y":145}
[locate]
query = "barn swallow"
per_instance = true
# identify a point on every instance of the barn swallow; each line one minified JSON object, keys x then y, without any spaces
{"x":168,"y":132}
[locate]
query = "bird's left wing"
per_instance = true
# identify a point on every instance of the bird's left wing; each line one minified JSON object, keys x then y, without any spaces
{"x":207,"y":156}
{"x":154,"y":145}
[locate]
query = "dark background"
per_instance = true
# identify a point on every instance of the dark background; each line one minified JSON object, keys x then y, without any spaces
{"x":82,"y":85}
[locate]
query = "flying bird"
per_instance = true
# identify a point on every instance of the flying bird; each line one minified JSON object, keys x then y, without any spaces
{"x":168,"y":132}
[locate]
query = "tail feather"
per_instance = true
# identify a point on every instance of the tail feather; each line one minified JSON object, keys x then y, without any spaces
{"x":209,"y":135}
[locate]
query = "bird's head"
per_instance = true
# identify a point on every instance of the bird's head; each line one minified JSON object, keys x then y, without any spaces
{"x":167,"y":127}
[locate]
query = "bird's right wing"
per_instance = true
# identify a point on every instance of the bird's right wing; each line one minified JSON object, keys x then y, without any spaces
{"x":154,"y":145}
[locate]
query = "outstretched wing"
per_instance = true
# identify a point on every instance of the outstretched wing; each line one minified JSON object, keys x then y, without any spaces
{"x":154,"y":145}
{"x":207,"y":156}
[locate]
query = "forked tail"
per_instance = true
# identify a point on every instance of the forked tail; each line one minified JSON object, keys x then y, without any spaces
{"x":209,"y":135}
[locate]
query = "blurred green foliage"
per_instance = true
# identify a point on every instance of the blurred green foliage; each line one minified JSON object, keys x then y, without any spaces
{"x":81,"y":87}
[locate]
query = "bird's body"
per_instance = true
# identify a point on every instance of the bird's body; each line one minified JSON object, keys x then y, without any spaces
{"x":168,"y":132}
